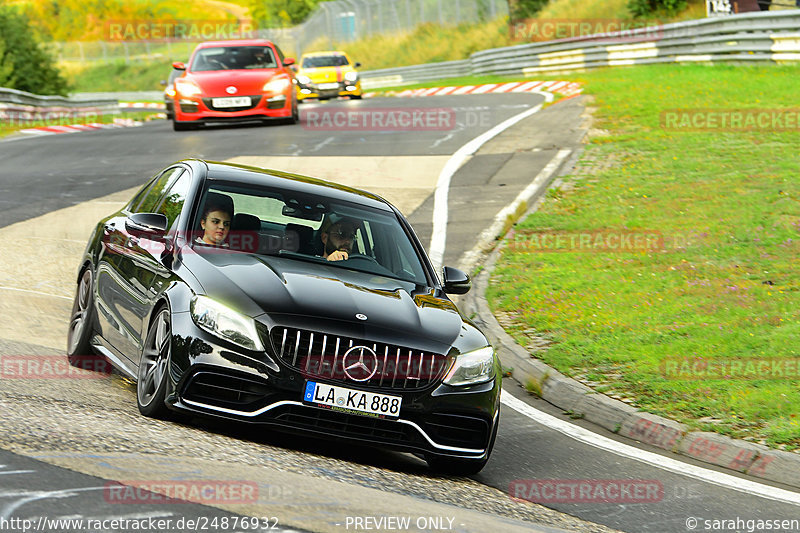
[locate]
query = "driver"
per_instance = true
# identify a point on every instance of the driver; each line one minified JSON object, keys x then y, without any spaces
{"x":337,"y":236}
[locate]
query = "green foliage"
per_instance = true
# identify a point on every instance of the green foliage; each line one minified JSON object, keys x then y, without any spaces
{"x":6,"y":67}
{"x":644,"y":8}
{"x":281,"y":13}
{"x":88,"y":20}
{"x":520,"y":9}
{"x":24,"y":63}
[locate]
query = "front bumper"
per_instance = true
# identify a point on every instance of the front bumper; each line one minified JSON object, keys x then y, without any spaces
{"x":210,"y":377}
{"x":313,"y":90}
{"x":201,"y":108}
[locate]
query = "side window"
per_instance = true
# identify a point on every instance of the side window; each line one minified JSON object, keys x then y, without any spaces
{"x":280,"y":53}
{"x":172,"y":203}
{"x":153,"y":195}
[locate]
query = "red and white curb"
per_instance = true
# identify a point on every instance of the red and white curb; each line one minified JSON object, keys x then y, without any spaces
{"x":74,"y":128}
{"x":564,"y":88}
{"x":141,"y":105}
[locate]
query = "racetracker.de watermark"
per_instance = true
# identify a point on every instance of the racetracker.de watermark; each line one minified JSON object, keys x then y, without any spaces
{"x":13,"y":118}
{"x":609,"y":30}
{"x":194,"y":30}
{"x":696,"y":368}
{"x":207,"y":492}
{"x":53,"y":367}
{"x":389,"y":119}
{"x":731,"y":120}
{"x":601,"y":240}
{"x":587,"y":490}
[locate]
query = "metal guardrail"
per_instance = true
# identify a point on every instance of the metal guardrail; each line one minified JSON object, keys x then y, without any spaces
{"x":20,"y":106}
{"x":746,"y":38}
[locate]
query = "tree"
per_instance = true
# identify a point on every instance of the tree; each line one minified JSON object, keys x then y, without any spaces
{"x":643,"y":8}
{"x":520,"y":9}
{"x":6,"y":68}
{"x":281,"y":13}
{"x":31,"y":66}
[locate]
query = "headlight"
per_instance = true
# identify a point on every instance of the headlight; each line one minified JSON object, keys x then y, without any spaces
{"x":472,"y":367}
{"x":225,"y":323}
{"x":351,"y":76}
{"x":187,"y":87}
{"x":303,"y":80}
{"x":276,"y":85}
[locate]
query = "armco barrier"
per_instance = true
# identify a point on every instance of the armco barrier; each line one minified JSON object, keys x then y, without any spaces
{"x":20,"y":107}
{"x":770,"y":36}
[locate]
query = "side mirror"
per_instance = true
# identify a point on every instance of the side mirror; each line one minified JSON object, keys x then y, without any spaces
{"x":357,"y":64}
{"x":456,"y":281}
{"x":178,"y":65}
{"x":149,"y":224}
{"x":288,"y":61}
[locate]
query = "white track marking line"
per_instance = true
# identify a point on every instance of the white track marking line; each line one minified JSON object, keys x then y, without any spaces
{"x":439,"y":232}
{"x":35,"y":292}
{"x":653,"y":459}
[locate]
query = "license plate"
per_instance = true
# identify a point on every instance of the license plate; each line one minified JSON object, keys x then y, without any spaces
{"x":352,"y":401}
{"x":328,"y":86}
{"x":234,"y":101}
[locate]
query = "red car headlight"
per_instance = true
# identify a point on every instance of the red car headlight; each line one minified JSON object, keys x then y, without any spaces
{"x":187,"y":87}
{"x":277,"y":85}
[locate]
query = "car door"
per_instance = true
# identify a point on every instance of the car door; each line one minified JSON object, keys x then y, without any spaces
{"x":128,"y":267}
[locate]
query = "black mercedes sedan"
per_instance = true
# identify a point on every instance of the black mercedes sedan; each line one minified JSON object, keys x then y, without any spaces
{"x":270,"y":298}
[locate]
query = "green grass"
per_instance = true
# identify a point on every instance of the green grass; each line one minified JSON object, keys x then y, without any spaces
{"x":118,"y":76}
{"x":724,"y":286}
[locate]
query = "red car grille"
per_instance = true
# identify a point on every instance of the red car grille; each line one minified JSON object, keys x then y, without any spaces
{"x":254,"y":100}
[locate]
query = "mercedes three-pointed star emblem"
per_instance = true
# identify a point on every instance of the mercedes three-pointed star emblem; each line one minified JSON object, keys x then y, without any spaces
{"x":360,"y":363}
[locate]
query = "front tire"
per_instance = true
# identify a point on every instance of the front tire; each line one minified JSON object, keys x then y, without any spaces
{"x":151,"y":387}
{"x":81,"y":318}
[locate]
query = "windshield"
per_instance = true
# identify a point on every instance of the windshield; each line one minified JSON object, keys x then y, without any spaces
{"x":233,"y":58}
{"x":316,"y":229}
{"x":325,"y":61}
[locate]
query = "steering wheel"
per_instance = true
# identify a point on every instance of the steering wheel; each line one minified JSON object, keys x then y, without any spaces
{"x":369,"y":258}
{"x":221,"y":65}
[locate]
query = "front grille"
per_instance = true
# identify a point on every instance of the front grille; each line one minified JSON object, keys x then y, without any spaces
{"x":226,"y":390}
{"x":253,"y":103}
{"x":349,"y":425}
{"x":335,"y":358}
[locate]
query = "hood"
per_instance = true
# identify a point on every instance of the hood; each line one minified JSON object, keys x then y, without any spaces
{"x":247,"y":82}
{"x":318,"y":297}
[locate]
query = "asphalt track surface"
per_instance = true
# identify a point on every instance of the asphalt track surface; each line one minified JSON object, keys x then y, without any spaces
{"x":40,"y":175}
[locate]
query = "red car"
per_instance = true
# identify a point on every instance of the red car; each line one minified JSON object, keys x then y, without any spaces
{"x":234,"y":81}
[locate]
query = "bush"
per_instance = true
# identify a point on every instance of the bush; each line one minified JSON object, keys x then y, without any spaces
{"x":520,"y":9}
{"x":643,"y":8}
{"x":24,"y":63}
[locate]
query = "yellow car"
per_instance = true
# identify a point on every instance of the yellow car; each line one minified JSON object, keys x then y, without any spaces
{"x":326,"y":75}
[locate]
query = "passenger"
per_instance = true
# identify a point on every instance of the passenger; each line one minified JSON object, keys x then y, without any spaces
{"x":216,"y":223}
{"x":337,"y":235}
